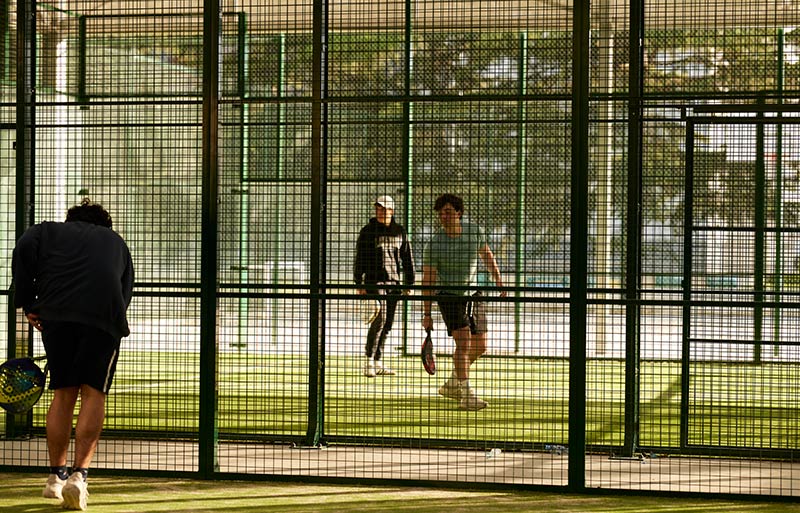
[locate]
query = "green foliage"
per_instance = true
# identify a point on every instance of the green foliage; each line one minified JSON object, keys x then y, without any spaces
{"x":710,"y":60}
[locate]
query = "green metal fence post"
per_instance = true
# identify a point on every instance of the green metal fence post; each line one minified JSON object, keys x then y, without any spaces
{"x":5,"y":40}
{"x":688,"y":234}
{"x":316,"y":346}
{"x":522,"y":159}
{"x":408,"y":161}
{"x":579,"y":221}
{"x":760,"y":226}
{"x":278,"y":214}
{"x":81,"y":95}
{"x":777,"y":283}
{"x":244,"y":264}
{"x":25,"y":114}
{"x":208,"y":433}
{"x":634,"y":241}
{"x":25,"y":168}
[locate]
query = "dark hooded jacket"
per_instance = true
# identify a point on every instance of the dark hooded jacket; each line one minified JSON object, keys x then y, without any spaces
{"x":383,"y":255}
{"x":76,"y":272}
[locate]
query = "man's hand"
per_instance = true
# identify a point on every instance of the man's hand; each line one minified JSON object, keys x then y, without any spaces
{"x":34,"y":321}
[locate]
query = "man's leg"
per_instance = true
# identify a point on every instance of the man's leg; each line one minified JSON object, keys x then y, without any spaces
{"x":463,"y":352}
{"x":372,"y":334}
{"x":476,"y":310}
{"x":388,"y":308}
{"x":372,"y":342}
{"x":89,"y":426}
{"x":59,"y":424}
{"x":468,"y":349}
{"x":87,"y":434}
{"x":477,"y":347}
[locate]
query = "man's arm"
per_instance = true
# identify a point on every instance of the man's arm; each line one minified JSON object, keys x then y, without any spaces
{"x":127,"y":279}
{"x":407,"y":258}
{"x":24,"y":262}
{"x":359,"y":262}
{"x":428,"y":281}
{"x":491,"y":265}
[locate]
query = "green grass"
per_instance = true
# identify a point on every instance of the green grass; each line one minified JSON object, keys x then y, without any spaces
{"x":730,"y":405}
{"x":21,"y":493}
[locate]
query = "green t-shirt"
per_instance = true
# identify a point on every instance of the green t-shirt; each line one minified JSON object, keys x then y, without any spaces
{"x":455,"y":258}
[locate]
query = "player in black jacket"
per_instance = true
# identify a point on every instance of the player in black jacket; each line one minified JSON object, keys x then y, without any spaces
{"x":383,"y":254}
{"x":74,"y":281}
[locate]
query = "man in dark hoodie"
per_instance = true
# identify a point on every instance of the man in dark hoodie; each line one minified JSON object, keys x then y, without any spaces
{"x":383,"y":254}
{"x":74,"y":281}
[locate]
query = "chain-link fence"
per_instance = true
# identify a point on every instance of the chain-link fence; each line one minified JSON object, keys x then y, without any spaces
{"x":630,"y":183}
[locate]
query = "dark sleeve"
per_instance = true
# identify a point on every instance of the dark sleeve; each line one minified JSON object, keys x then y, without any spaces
{"x":361,"y":259}
{"x":127,"y":280}
{"x":408,"y":260}
{"x":24,"y":265}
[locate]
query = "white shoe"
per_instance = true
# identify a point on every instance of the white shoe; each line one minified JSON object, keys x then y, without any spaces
{"x":52,"y":490}
{"x":75,"y":492}
{"x":369,"y":368}
{"x":451,"y":389}
{"x":472,"y":402}
{"x":382,"y":370}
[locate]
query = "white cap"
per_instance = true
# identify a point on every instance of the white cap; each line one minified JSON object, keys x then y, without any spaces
{"x":385,"y":202}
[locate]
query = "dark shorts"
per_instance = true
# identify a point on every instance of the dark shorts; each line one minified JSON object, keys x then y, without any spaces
{"x":78,"y":354}
{"x":463,"y":311}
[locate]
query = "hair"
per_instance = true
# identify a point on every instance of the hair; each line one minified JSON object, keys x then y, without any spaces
{"x":89,"y":212}
{"x":455,"y":201}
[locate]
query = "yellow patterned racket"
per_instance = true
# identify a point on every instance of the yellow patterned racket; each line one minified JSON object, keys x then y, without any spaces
{"x":22,"y":383}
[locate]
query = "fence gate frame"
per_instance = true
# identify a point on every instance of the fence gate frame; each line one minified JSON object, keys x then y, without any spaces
{"x":758,"y":116}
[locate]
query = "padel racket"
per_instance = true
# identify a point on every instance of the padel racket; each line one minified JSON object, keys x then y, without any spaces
{"x":369,"y":310}
{"x":428,"y":358}
{"x":21,"y":384}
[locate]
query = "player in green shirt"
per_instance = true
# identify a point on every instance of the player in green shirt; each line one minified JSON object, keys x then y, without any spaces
{"x":450,"y":265}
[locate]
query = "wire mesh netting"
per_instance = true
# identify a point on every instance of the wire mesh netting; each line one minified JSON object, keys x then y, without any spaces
{"x":278,"y":174}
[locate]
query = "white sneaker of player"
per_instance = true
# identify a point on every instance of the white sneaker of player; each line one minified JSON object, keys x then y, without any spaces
{"x":52,"y":490}
{"x":75,"y":492}
{"x":451,"y":389}
{"x":369,"y":368}
{"x":382,"y":370}
{"x":472,"y":402}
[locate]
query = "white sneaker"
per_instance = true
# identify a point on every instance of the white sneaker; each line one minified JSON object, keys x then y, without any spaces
{"x":382,"y":370}
{"x":369,"y":368}
{"x":451,"y":389}
{"x":52,"y":490}
{"x":472,"y":402}
{"x":75,"y":492}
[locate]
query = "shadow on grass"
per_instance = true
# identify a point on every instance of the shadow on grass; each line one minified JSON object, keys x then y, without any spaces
{"x":20,"y":493}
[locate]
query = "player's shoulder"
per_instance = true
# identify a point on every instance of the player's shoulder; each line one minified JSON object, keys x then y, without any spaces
{"x":370,"y":228}
{"x":438,"y":237}
{"x":99,"y":232}
{"x":471,"y":228}
{"x":396,"y":228}
{"x":49,"y":227}
{"x":46,"y":225}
